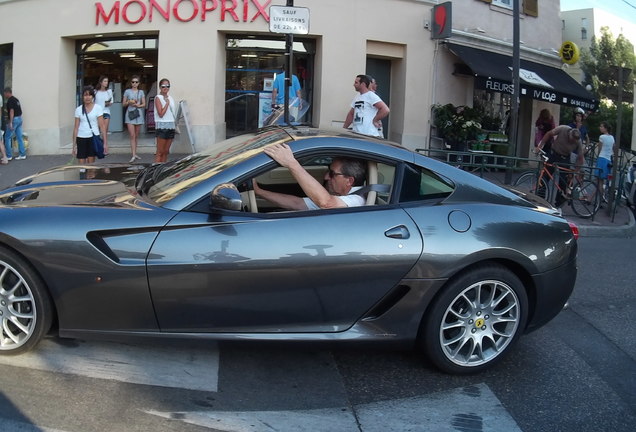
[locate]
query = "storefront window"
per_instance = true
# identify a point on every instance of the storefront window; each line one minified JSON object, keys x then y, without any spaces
{"x":118,"y":59}
{"x":251,"y":64}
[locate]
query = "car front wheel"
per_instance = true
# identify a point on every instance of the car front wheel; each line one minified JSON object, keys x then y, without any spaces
{"x":475,"y":320}
{"x":25,"y":307}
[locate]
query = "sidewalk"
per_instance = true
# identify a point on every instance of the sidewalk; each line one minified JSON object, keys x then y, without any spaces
{"x":602,"y":225}
{"x":622,"y":224}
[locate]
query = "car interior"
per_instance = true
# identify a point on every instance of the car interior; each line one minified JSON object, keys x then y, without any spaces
{"x":281,"y":180}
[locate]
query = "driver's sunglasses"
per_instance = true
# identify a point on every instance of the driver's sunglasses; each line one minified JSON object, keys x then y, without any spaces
{"x":333,"y":174}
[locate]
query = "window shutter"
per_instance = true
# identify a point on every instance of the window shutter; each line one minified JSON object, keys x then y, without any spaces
{"x":486,"y":1}
{"x":531,"y":7}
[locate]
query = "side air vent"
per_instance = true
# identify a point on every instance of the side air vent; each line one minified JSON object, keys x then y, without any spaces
{"x":389,"y":300}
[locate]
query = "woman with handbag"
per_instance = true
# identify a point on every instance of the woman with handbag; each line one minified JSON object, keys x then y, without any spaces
{"x":89,"y":122}
{"x":104,"y":98}
{"x":134,"y":101}
{"x":165,"y":120}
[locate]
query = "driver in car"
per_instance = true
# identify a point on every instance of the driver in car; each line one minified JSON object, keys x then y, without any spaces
{"x":344,"y":177}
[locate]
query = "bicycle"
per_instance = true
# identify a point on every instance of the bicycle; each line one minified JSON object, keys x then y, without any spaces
{"x":581,"y":194}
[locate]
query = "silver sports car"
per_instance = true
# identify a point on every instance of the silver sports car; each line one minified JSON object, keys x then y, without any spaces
{"x":437,"y":258}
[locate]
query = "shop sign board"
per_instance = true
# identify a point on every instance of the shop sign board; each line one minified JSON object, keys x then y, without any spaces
{"x":289,"y":19}
{"x":136,"y":11}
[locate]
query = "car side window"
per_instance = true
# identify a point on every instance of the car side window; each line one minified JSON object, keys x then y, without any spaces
{"x":280,"y":180}
{"x":421,"y":184}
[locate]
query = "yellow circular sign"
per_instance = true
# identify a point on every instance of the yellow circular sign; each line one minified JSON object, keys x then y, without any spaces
{"x":569,"y":52}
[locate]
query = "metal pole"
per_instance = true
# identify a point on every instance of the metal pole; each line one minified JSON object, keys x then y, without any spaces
{"x":619,"y":114}
{"x":514,"y":110}
{"x":289,"y":52}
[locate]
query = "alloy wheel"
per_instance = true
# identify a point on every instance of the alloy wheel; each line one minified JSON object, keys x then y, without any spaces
{"x":480,"y":323}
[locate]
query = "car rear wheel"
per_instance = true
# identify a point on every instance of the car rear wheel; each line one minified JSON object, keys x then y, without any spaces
{"x":475,"y":320}
{"x":25,"y":307}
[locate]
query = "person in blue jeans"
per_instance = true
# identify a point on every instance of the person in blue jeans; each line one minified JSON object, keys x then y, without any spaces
{"x":14,"y":125}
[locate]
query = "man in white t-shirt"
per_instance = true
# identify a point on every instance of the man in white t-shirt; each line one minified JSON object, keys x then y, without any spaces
{"x":367,"y":109}
{"x":344,"y":178}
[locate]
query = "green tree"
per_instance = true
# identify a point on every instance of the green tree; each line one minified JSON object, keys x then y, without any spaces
{"x":600,"y":63}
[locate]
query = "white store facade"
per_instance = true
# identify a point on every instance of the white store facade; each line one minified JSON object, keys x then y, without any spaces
{"x":220,"y":57}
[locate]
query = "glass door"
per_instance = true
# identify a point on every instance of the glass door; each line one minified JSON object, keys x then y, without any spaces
{"x":251,"y":65}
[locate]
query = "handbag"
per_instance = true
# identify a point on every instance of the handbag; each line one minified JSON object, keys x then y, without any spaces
{"x":98,"y":143}
{"x":133,"y":114}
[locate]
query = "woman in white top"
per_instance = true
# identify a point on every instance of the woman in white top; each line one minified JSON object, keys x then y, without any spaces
{"x":89,"y":121}
{"x":104,"y":98}
{"x":606,"y":146}
{"x":165,"y":119}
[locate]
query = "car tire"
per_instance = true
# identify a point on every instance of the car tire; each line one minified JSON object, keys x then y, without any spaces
{"x":475,"y":320}
{"x":26,"y":310}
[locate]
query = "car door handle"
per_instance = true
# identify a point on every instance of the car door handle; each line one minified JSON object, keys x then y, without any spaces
{"x":398,"y":232}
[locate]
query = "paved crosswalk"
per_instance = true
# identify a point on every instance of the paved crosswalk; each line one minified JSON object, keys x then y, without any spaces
{"x":472,"y":408}
{"x":165,"y":366}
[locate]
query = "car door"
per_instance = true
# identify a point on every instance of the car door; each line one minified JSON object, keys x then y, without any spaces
{"x":281,"y":272}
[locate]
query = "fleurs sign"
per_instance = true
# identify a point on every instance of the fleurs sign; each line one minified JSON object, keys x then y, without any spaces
{"x":136,"y":11}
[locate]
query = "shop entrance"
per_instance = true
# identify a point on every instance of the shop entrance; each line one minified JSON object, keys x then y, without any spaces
{"x":118,"y":59}
{"x":251,"y":64}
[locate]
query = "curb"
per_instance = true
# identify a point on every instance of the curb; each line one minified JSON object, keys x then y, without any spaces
{"x":627,"y":230}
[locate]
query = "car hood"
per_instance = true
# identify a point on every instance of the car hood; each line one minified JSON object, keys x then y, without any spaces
{"x":75,"y":184}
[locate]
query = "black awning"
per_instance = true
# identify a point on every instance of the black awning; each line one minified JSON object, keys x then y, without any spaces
{"x":538,"y":81}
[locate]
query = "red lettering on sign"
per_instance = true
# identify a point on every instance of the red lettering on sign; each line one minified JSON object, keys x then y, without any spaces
{"x":100,"y":12}
{"x":260,"y":10}
{"x":195,"y":11}
{"x":205,"y":9}
{"x":134,"y":11}
{"x":225,"y":9}
{"x":142,"y":15}
{"x":165,"y":13}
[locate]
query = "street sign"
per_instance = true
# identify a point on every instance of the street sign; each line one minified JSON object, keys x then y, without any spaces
{"x":291,"y":20}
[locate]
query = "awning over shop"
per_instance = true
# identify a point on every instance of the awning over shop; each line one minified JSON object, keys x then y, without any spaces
{"x":494,"y":72}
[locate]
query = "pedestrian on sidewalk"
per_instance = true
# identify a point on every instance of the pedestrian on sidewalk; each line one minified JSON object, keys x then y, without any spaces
{"x":89,"y":121}
{"x":134,"y":101}
{"x":3,"y":128}
{"x":367,"y":109}
{"x":104,"y":98}
{"x":165,"y":120}
{"x":606,"y":146}
{"x":14,"y":126}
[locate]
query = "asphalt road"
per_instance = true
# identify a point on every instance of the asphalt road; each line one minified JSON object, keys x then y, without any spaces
{"x":576,"y":374}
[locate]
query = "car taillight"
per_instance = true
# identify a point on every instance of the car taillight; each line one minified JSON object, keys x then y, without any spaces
{"x":574,"y":229}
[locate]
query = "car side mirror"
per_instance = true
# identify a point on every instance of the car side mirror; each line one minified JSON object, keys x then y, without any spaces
{"x":227,"y":197}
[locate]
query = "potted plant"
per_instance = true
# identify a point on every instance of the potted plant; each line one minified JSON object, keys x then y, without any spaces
{"x":457,"y":124}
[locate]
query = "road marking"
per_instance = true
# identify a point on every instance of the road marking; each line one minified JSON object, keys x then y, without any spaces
{"x":467,"y":409}
{"x":187,"y":367}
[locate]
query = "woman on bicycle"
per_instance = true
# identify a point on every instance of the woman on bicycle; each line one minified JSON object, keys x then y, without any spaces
{"x":606,"y":146}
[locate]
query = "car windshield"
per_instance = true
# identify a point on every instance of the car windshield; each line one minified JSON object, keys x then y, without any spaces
{"x":177,"y":177}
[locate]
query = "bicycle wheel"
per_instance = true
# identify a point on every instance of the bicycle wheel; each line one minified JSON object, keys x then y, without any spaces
{"x":586,"y":199}
{"x":528,"y":184}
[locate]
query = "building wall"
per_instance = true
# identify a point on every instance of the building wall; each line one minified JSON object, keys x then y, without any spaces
{"x":192,"y":56}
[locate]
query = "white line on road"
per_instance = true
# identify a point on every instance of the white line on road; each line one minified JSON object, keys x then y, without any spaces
{"x":194,"y":368}
{"x":473,"y":408}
